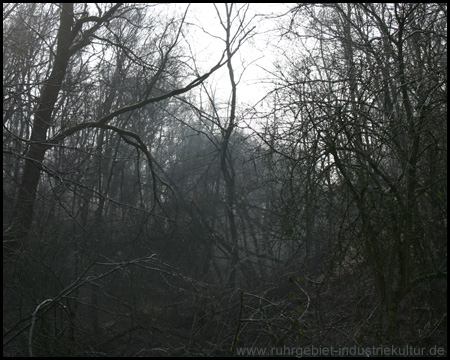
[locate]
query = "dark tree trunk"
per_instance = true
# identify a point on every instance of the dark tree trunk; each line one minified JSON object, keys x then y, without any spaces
{"x":23,"y":212}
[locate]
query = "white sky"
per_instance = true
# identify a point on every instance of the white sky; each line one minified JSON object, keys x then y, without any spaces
{"x":256,"y":54}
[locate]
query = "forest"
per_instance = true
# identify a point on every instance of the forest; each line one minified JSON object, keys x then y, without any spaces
{"x":224,"y":179}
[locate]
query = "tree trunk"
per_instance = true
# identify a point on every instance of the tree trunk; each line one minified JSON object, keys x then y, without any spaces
{"x":23,"y":213}
{"x":227,"y":170}
{"x":34,"y":156}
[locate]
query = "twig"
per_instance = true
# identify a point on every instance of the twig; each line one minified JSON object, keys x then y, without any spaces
{"x":33,"y":321}
{"x":233,"y":345}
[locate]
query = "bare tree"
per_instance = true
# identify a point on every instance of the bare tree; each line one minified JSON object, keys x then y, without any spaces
{"x":360,"y":106}
{"x":70,"y":40}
